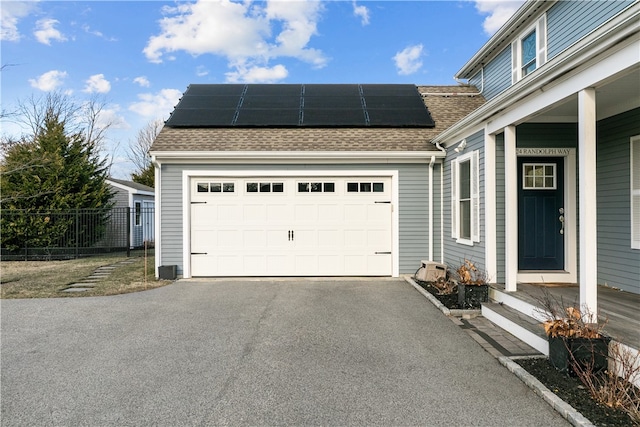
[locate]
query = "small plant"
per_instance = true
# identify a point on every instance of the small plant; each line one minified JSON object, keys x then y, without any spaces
{"x":445,"y":286}
{"x":468,"y":274}
{"x":615,"y":386}
{"x":562,"y":320}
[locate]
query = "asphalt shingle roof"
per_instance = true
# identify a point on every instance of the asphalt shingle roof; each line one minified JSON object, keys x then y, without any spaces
{"x":447,"y":104}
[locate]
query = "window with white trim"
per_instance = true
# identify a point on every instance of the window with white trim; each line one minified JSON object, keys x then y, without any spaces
{"x":137,"y":213}
{"x":529,"y":51}
{"x":635,"y":192}
{"x":465,"y":198}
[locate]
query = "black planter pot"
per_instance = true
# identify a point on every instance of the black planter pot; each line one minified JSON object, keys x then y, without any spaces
{"x":471,"y":296}
{"x":589,"y":353}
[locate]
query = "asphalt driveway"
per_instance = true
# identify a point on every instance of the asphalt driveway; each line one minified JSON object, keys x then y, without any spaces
{"x":253,"y":352}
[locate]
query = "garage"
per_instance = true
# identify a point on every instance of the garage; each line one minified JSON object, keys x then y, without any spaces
{"x":291,"y":226}
{"x":268,"y":180}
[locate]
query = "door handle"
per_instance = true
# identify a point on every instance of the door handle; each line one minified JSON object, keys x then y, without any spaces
{"x":561,"y":219}
{"x":290,"y":235}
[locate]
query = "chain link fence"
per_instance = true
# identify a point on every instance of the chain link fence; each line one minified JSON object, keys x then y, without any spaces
{"x":26,"y":235}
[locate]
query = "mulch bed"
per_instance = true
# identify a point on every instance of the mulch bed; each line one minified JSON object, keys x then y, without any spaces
{"x":571,"y":390}
{"x":568,"y":388}
{"x":448,"y":300}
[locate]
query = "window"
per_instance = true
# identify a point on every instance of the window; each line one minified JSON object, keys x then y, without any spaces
{"x":365,"y":187}
{"x":465,"y":198}
{"x":635,"y":192}
{"x":138,"y":213}
{"x":539,"y":176}
{"x":529,"y":51}
{"x":265,"y":187}
{"x":215,"y":187}
{"x":316,"y":187}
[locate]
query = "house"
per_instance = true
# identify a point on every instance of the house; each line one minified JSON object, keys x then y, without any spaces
{"x":532,"y":170}
{"x":303,"y":180}
{"x":542,"y":182}
{"x":137,"y":200}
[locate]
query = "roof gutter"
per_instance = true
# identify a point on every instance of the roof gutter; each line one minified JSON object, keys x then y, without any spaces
{"x":385,"y":156}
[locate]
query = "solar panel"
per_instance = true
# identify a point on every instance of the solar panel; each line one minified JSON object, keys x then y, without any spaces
{"x":197,"y":117}
{"x":324,"y":90}
{"x":201,"y":101}
{"x":293,"y":105}
{"x":271,"y":102}
{"x":274,"y":117}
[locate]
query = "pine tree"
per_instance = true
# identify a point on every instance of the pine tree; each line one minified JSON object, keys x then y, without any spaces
{"x":145,"y":176}
{"x":50,"y":173}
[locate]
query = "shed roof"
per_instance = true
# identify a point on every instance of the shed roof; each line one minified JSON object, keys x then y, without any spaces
{"x":447,"y":105}
{"x":132,"y":185}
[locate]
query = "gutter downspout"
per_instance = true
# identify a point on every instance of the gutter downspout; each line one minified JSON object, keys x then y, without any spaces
{"x":157,"y":208}
{"x":439,"y":147}
{"x":431,"y":163}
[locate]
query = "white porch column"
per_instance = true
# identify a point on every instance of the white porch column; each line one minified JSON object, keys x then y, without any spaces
{"x":490,"y":248}
{"x":587,"y":200}
{"x":511,"y":209}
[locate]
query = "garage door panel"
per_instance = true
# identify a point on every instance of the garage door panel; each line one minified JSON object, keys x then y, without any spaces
{"x":255,"y":213}
{"x":330,"y":239}
{"x":229,"y":213}
{"x":355,"y":238}
{"x":306,"y":213}
{"x":254,"y":239}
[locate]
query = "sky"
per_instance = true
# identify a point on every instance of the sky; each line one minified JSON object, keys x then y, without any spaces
{"x":138,"y":57}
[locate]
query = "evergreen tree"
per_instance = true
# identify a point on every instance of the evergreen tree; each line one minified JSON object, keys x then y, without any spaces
{"x":145,"y":176}
{"x":54,"y":171}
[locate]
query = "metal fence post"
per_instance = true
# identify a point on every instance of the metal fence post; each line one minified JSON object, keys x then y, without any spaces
{"x":129,"y":210}
{"x":77,"y":234}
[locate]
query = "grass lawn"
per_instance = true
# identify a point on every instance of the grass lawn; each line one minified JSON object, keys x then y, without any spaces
{"x":46,"y":279}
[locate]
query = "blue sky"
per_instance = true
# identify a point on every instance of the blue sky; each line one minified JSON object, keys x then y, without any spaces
{"x":138,"y":57}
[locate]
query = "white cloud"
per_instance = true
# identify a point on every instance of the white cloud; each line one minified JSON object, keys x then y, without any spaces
{"x":242,"y":32}
{"x":499,"y":12}
{"x":97,"y":84}
{"x":408,"y":60}
{"x":142,"y":81}
{"x":256,"y":74}
{"x":45,"y":31}
{"x":362,"y":12}
{"x":51,"y":80}
{"x":112,"y":118}
{"x":10,"y":14}
{"x":201,"y":71}
{"x":158,"y":105}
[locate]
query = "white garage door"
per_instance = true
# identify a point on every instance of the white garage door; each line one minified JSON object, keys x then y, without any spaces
{"x":316,"y":226}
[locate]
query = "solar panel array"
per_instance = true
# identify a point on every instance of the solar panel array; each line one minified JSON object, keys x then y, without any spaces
{"x":294,"y":105}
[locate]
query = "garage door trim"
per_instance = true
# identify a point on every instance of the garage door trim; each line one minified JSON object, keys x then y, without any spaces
{"x":186,"y":201}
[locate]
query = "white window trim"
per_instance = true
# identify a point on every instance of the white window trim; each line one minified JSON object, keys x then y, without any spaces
{"x":540,"y":27}
{"x":634,"y":164}
{"x":474,"y":158}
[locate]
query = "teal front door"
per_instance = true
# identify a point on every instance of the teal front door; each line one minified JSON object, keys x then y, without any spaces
{"x":540,"y":213}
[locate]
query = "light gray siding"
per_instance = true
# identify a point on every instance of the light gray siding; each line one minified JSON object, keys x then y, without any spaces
{"x":413,"y":209}
{"x":618,"y":264}
{"x":497,"y":75}
{"x":456,"y":253}
{"x":569,"y":21}
{"x":120,"y":197}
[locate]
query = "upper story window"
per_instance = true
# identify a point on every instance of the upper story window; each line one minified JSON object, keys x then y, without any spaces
{"x":529,"y":51}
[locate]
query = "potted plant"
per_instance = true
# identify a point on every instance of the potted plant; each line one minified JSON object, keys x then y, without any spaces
{"x":574,"y":343}
{"x":472,"y":283}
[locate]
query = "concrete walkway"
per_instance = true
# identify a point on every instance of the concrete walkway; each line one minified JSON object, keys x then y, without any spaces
{"x":254,"y":352}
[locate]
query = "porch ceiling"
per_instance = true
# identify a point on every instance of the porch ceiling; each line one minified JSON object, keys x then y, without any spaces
{"x":613,"y":96}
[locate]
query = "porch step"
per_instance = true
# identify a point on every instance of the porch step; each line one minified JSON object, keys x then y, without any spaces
{"x":517,"y":323}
